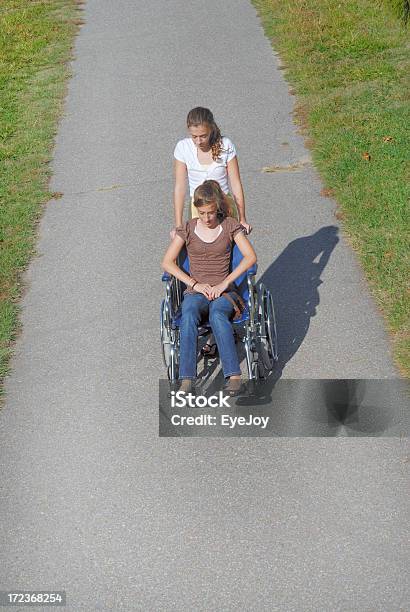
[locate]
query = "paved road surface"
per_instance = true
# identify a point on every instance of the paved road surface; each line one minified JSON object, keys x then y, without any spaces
{"x":93,"y":501}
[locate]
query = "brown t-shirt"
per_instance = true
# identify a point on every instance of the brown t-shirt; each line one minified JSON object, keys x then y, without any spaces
{"x":209,"y":261}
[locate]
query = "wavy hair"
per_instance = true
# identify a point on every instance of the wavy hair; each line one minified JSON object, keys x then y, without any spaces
{"x":199,"y":116}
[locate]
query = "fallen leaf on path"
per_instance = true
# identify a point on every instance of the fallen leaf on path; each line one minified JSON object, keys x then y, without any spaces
{"x":327,"y":193}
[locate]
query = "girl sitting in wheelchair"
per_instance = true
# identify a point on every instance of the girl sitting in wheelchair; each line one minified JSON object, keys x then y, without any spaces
{"x":210,"y":294}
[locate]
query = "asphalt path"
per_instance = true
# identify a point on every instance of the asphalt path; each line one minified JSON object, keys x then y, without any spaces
{"x":93,"y":502}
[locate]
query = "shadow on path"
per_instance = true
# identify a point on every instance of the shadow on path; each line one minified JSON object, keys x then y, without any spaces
{"x":294,"y":278}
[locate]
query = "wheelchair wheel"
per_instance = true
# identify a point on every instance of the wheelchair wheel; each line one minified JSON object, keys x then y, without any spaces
{"x":168,"y":343}
{"x":165,"y":334}
{"x":258,"y":371}
{"x":268,"y":343}
{"x":172,"y":370}
{"x":251,"y":358}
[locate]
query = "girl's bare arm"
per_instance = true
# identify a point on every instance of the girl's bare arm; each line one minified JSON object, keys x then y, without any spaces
{"x":180,"y":173}
{"x":237,"y":190}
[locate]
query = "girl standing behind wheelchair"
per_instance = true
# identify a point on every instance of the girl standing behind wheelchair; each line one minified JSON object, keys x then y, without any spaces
{"x":210,"y":292}
{"x":206,"y":154}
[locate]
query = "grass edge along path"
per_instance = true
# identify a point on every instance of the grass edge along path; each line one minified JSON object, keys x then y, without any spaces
{"x":36,"y":41}
{"x":347,"y":63}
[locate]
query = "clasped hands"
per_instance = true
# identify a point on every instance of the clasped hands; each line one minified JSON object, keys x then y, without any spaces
{"x":211,"y":293}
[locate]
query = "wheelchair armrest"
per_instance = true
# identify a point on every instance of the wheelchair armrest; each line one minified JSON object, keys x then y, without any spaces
{"x":166,"y":276}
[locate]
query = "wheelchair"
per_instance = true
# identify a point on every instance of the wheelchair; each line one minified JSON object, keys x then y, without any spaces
{"x":257,"y":322}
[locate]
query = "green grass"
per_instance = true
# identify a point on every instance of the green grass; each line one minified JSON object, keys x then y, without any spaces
{"x":35,"y":44}
{"x":400,"y":7}
{"x":348,"y":63}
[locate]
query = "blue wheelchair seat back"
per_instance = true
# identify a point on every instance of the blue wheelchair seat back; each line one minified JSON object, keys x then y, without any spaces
{"x":241,"y":283}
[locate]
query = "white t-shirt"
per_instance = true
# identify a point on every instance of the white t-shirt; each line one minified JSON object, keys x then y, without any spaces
{"x":186,"y":152}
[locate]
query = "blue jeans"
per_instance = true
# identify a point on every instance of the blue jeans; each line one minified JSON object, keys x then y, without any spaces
{"x":196,"y":307}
